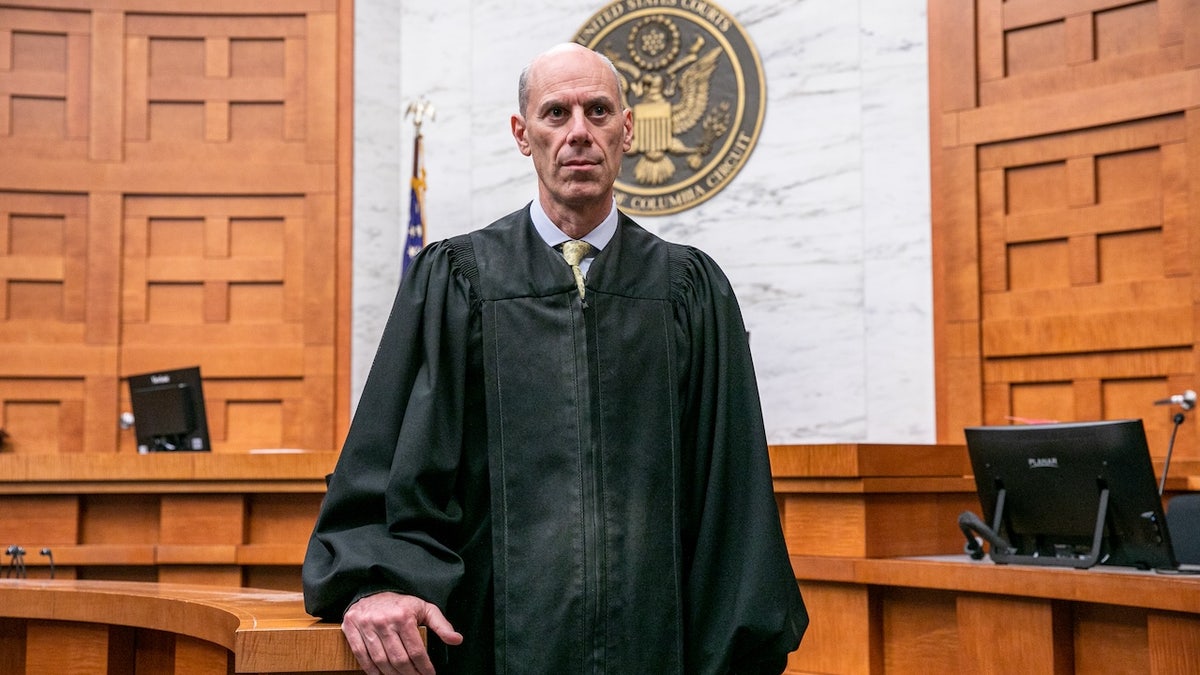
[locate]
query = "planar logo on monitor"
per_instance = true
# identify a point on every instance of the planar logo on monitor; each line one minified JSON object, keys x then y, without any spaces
{"x":695,"y":84}
{"x":1043,"y":462}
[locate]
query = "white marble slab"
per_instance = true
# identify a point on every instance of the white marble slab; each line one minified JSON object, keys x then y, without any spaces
{"x":824,"y":233}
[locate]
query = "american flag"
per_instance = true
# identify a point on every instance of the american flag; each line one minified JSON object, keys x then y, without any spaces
{"x":415,"y":240}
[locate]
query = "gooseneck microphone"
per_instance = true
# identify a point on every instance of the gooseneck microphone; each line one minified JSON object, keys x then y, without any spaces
{"x":1186,"y":400}
{"x":49,"y":554}
{"x":971,"y":525}
{"x":16,"y":564}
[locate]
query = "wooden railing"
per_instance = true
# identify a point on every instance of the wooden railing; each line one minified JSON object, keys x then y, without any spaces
{"x":102,"y":627}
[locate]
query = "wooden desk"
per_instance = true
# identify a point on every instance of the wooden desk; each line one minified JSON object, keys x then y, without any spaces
{"x":191,"y":518}
{"x":872,"y":500}
{"x":949,"y":614}
{"x":102,"y":627}
{"x":851,"y":511}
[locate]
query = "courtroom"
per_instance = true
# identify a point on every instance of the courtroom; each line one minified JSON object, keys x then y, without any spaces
{"x":599,"y":336}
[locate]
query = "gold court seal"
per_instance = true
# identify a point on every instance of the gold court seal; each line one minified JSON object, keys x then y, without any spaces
{"x":695,"y":84}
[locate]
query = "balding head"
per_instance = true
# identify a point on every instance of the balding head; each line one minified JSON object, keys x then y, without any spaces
{"x":557,"y":52}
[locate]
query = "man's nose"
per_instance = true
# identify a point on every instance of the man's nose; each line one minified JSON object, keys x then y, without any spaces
{"x":579,"y":131}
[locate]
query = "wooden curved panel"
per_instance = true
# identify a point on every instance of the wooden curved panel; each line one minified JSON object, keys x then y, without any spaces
{"x":102,"y":627}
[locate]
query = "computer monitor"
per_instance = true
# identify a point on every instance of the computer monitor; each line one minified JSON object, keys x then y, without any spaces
{"x":1072,"y":495}
{"x":168,"y":411}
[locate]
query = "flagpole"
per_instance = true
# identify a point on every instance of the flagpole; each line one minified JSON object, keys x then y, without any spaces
{"x":418,"y":111}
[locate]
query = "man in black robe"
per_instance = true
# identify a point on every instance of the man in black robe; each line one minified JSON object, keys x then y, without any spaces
{"x":554,"y":475}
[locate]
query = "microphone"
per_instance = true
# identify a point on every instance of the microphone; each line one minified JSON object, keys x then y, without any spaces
{"x":16,"y":565}
{"x":970,"y":524}
{"x":49,"y":554}
{"x":1186,"y":400}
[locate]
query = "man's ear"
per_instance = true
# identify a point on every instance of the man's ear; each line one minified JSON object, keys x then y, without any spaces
{"x":518,"y":132}
{"x":628,"y":114}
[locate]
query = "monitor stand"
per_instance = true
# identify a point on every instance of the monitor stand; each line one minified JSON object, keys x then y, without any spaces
{"x":1079,"y":562}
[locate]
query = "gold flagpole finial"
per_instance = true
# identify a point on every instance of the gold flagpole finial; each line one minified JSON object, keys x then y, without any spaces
{"x":420,"y":110}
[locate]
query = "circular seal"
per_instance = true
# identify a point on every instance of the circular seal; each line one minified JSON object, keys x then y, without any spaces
{"x":695,"y":84}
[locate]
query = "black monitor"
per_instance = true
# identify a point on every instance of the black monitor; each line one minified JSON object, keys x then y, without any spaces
{"x":168,"y":411}
{"x":1071,"y":495}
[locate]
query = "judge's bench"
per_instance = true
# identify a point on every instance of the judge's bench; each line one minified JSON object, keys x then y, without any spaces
{"x":876,"y":551}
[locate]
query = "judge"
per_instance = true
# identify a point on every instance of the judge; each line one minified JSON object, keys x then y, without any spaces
{"x":558,"y":463}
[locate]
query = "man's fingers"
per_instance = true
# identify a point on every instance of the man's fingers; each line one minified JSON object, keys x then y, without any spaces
{"x":436,"y":622}
{"x":384,"y":634}
{"x":413,"y":651}
{"x":367,"y":650}
{"x":389,"y":651}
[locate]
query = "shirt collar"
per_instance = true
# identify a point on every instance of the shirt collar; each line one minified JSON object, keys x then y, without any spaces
{"x":549,"y":232}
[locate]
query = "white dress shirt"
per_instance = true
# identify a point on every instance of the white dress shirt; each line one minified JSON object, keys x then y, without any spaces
{"x":598,"y":238}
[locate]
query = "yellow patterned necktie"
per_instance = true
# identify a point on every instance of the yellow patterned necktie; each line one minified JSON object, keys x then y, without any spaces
{"x":574,"y":251}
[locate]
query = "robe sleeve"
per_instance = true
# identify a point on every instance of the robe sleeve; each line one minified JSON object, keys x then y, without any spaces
{"x":389,"y":516}
{"x":743,"y":608}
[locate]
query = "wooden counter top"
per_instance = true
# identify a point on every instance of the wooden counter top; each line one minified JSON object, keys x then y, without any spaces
{"x":266,"y":631}
{"x":1102,"y":584}
{"x":164,"y":472}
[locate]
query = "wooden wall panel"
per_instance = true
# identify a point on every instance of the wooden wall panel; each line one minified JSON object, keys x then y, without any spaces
{"x":54,"y":517}
{"x":842,"y":642}
{"x":67,"y":646}
{"x":170,"y":196}
{"x":986,"y":635}
{"x":1084,"y":280}
{"x":1112,"y":640}
{"x":918,"y":632}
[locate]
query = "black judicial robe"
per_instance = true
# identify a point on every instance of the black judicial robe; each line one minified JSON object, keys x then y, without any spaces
{"x":582,"y":487}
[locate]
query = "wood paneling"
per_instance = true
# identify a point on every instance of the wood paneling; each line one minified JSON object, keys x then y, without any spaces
{"x":174,"y":192}
{"x":917,"y":633}
{"x":851,"y":500}
{"x":1066,"y":176}
{"x":843,"y":609}
{"x":873,"y":535}
{"x":952,"y":615}
{"x":197,"y":518}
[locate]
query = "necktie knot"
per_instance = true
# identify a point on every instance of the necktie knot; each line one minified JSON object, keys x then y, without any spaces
{"x":574,"y":251}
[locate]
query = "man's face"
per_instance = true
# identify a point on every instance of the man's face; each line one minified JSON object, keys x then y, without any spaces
{"x":574,"y":128}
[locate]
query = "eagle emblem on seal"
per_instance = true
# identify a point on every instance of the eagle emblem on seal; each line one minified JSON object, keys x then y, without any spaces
{"x":669,"y":95}
{"x":695,"y":84}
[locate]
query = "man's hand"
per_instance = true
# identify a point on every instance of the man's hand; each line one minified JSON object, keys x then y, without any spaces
{"x":383,"y":631}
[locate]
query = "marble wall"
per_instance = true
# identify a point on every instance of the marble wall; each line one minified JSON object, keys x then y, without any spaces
{"x":824,"y":232}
